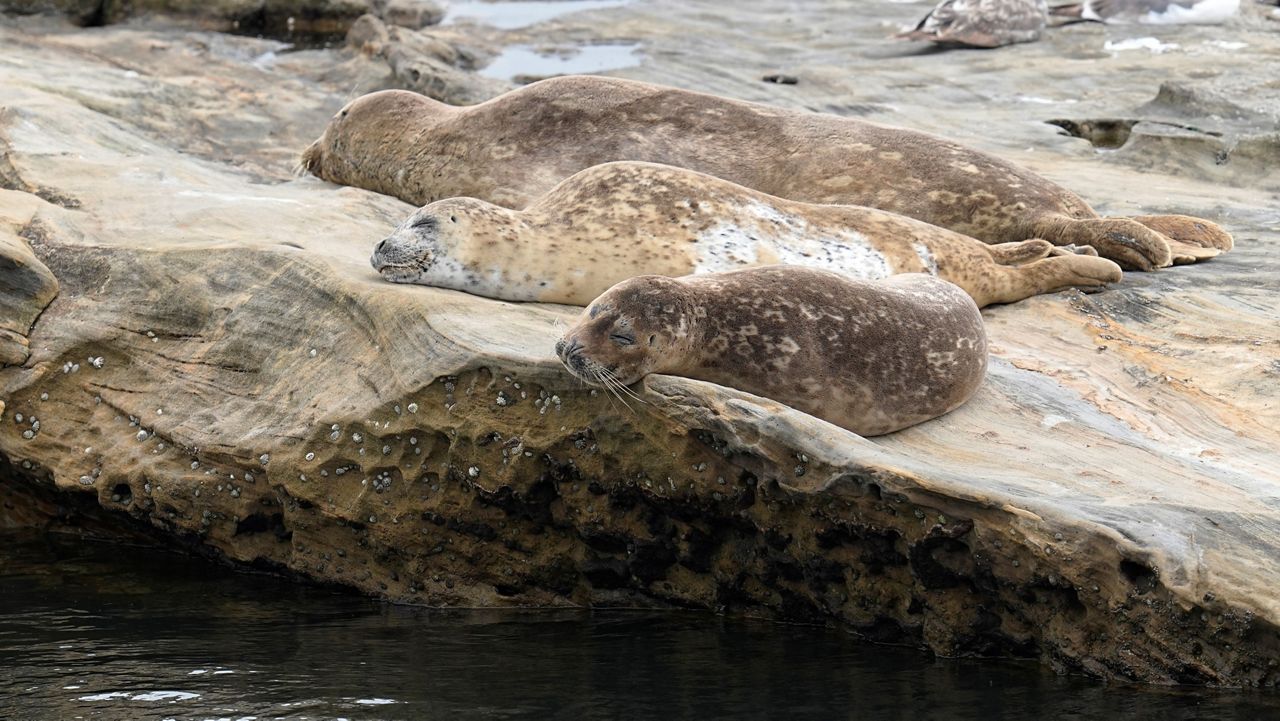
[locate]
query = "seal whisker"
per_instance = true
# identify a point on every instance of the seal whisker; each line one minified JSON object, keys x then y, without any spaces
{"x":612,"y":378}
{"x":601,"y":382}
{"x":610,"y":385}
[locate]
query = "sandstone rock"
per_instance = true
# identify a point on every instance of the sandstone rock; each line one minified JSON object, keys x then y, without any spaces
{"x":412,"y":14}
{"x":81,"y":12}
{"x":248,"y":388}
{"x":422,"y":62}
{"x":270,"y":17}
{"x":26,"y":288}
{"x":26,"y":285}
{"x":368,"y":34}
{"x":1224,"y":131}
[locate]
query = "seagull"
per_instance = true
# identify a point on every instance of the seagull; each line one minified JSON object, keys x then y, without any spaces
{"x":981,"y":23}
{"x":1150,"y":12}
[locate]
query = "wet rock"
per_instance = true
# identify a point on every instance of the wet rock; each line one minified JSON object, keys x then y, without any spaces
{"x":81,"y":12}
{"x":276,"y":18}
{"x":1226,"y":131}
{"x":412,"y":14}
{"x":781,"y":79}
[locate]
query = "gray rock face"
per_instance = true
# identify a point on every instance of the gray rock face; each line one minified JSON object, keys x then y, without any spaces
{"x":221,"y":370}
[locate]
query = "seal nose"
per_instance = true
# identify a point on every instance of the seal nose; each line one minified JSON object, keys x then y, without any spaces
{"x":567,"y":349}
{"x":376,"y":259}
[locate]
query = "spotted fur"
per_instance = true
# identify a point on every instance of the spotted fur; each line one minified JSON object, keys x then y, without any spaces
{"x":620,"y":220}
{"x":513,"y":149}
{"x":870,"y":356}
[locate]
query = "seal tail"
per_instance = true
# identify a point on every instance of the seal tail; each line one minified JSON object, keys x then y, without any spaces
{"x":1124,"y":240}
{"x":1050,"y":275}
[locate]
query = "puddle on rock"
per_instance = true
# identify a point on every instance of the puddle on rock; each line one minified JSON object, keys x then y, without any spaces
{"x":521,"y":14}
{"x":524,"y":64}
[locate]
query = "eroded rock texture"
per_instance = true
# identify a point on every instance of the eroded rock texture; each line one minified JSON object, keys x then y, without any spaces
{"x":221,"y":369}
{"x":271,"y":17}
{"x":430,"y":62}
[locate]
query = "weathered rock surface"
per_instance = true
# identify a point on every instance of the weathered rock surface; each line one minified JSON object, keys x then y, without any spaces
{"x":272,"y":17}
{"x":430,"y":62}
{"x":26,"y":287}
{"x":220,"y":368}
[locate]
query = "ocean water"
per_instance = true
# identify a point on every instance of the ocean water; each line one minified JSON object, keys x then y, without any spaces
{"x":90,"y":630}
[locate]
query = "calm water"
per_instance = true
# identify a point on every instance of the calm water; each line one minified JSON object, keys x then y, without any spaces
{"x":512,"y":14}
{"x":518,"y":60}
{"x":94,"y":631}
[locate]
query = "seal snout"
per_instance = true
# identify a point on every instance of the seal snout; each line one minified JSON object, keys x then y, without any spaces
{"x":570,"y":352}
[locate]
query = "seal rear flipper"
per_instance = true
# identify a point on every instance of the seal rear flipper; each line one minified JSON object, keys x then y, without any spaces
{"x":1022,"y":251}
{"x":1186,"y":253}
{"x":1130,"y":243}
{"x":1190,"y":230}
{"x":1050,"y":275}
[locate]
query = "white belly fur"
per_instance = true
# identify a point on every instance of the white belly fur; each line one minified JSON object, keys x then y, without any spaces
{"x":728,"y":246}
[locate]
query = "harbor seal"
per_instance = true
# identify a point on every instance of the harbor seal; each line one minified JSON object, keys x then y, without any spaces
{"x":869,"y":356}
{"x":514,"y":148}
{"x":620,"y":220}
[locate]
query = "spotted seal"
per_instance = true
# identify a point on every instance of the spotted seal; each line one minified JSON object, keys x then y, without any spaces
{"x":869,"y":356}
{"x":514,"y":148}
{"x":619,"y":220}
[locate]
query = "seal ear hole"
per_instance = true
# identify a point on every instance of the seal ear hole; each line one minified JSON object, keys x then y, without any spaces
{"x":652,"y":338}
{"x":452,"y":219}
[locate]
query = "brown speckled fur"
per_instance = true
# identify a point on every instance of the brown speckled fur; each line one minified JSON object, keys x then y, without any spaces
{"x":870,"y":356}
{"x":514,"y":148}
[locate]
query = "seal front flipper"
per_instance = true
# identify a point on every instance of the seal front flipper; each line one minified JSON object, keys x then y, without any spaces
{"x":1189,"y":230}
{"x":1022,"y":251}
{"x":1130,"y":243}
{"x":1050,"y":275}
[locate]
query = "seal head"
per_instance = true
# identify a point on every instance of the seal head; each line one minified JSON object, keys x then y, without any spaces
{"x":407,"y":255}
{"x":635,"y":329}
{"x":361,"y":139}
{"x":455,"y":243}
